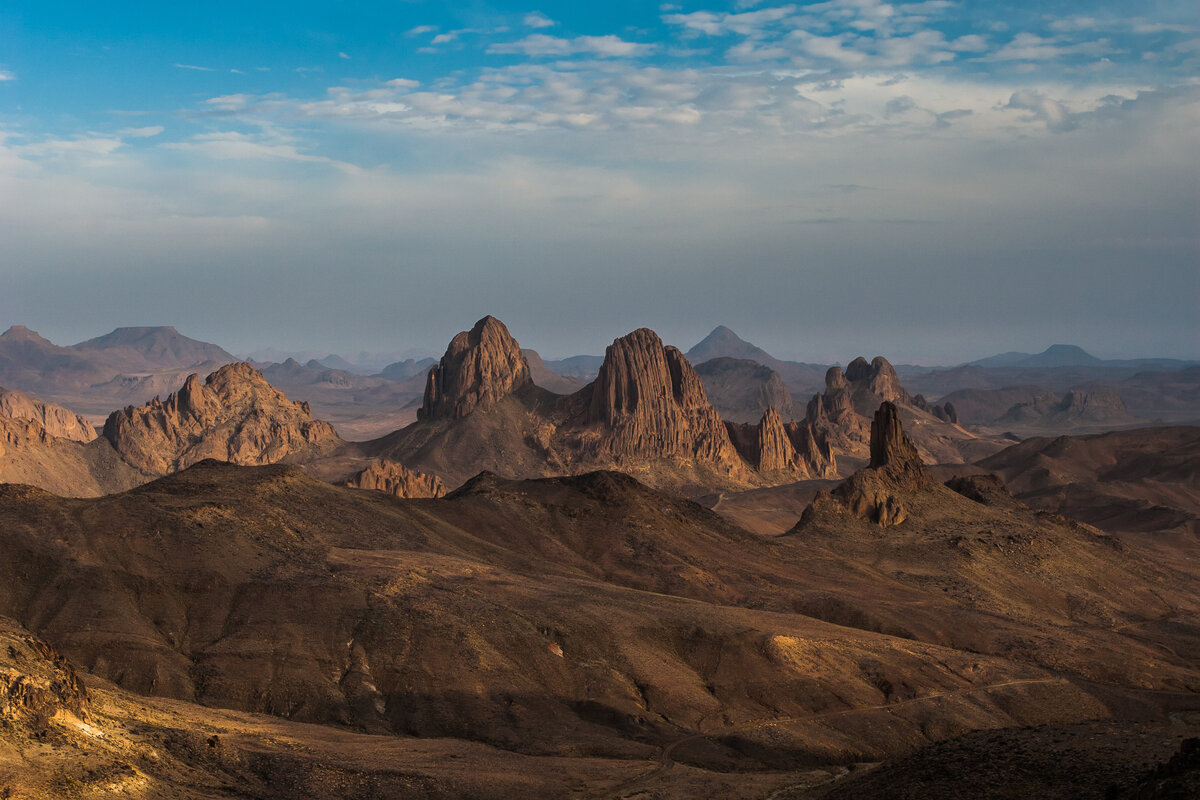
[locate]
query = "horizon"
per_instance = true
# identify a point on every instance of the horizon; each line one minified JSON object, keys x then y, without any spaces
{"x":955,"y":181}
{"x":279,"y":354}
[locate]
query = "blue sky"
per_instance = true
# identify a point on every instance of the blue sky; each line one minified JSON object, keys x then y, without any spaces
{"x":933,"y":181}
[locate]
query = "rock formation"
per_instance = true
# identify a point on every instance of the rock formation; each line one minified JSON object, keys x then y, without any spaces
{"x":54,"y":419}
{"x":774,"y":448}
{"x":397,"y":479}
{"x":649,"y":403}
{"x":877,"y":493}
{"x":234,"y":416}
{"x":480,"y":367}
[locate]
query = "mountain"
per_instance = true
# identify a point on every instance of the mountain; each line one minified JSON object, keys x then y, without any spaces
{"x":1061,"y":355}
{"x":646,"y":413}
{"x":546,"y":378}
{"x":1144,"y":480}
{"x":1075,"y":408}
{"x":724,"y":343}
{"x":235,"y":416}
{"x":741,"y":390}
{"x":841,"y":416}
{"x":397,"y":480}
{"x":137,"y":349}
{"x":409,"y":368}
{"x":583,"y":368}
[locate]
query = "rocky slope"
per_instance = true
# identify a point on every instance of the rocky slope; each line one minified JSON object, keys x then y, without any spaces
{"x":1097,"y":407}
{"x":54,"y":419}
{"x":234,"y":416}
{"x":742,"y":390}
{"x":783,"y":452}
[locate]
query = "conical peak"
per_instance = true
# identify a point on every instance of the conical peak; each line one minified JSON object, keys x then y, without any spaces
{"x":481,"y":367}
{"x":890,"y":448}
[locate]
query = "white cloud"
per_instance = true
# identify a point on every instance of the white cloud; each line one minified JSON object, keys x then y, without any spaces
{"x":5,"y":75}
{"x":343,"y":55}
{"x":539,"y":44}
{"x":1052,"y":112}
{"x":1031,"y":47}
{"x":147,"y":132}
{"x":421,"y":30}
{"x":194,"y":67}
{"x":537,"y":19}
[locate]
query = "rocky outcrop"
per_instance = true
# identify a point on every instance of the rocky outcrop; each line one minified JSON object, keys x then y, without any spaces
{"x":397,"y":479}
{"x":235,"y":416}
{"x":481,"y":367}
{"x":37,"y":684}
{"x":877,"y":494}
{"x":650,"y":404}
{"x":776,"y":449}
{"x":54,"y":419}
{"x":945,"y":411}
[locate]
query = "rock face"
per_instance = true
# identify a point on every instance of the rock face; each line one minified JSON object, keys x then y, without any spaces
{"x":54,"y":419}
{"x":650,"y":404}
{"x":774,"y":448}
{"x":480,"y":367}
{"x":397,"y":479}
{"x":741,"y":390}
{"x":876,"y":494}
{"x":234,"y":416}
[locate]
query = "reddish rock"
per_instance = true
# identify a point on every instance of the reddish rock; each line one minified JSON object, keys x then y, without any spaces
{"x":397,"y":479}
{"x":54,"y":419}
{"x":650,"y":404}
{"x":481,"y":367}
{"x":234,"y":416}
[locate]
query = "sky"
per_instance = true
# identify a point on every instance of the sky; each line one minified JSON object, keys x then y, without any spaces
{"x":932,"y":181}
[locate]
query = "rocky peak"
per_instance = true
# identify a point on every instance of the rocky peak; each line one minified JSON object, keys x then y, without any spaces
{"x":481,"y":367}
{"x":878,"y":493}
{"x":890,"y":448}
{"x":651,"y":404}
{"x":235,"y":416}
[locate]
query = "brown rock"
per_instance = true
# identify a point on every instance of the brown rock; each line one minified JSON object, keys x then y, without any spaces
{"x":235,"y":416}
{"x":54,"y":419}
{"x":480,"y":367}
{"x":397,"y":479}
{"x":651,"y":404}
{"x":877,"y":493}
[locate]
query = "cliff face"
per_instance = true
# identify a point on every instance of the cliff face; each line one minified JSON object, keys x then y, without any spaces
{"x":234,"y":416}
{"x":397,"y":479}
{"x":54,"y":419}
{"x":649,"y":404}
{"x":481,"y":367}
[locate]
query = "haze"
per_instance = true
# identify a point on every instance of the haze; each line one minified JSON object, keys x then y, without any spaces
{"x":933,"y":181}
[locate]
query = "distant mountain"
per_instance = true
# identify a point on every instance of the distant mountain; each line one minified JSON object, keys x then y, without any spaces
{"x":408,"y":368}
{"x":150,"y":348}
{"x":724,"y":343}
{"x":1061,"y":355}
{"x":547,"y":378}
{"x":802,"y":379}
{"x":585,"y":368}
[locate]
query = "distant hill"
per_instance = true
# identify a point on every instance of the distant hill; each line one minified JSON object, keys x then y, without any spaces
{"x":153,"y":348}
{"x":802,"y":379}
